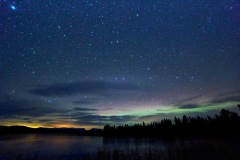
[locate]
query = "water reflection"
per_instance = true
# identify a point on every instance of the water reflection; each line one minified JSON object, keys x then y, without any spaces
{"x":54,"y":145}
{"x":132,"y":143}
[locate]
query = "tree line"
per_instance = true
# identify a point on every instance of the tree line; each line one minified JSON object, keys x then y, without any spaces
{"x":226,"y":123}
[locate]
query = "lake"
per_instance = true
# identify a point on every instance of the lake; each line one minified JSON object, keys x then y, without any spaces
{"x":53,"y":145}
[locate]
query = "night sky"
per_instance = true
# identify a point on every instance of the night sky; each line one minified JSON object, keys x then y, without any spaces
{"x":84,"y":63}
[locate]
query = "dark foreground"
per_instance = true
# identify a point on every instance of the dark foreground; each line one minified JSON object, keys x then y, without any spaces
{"x":179,"y":152}
{"x":225,"y":127}
{"x":202,"y":151}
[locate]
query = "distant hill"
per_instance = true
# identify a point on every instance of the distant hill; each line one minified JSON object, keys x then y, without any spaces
{"x":24,"y":129}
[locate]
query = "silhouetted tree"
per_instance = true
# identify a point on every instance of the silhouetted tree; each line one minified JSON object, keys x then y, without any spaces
{"x":187,"y":126}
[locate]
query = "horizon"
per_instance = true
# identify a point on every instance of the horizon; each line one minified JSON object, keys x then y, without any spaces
{"x":173,"y":122}
{"x":85,"y":64}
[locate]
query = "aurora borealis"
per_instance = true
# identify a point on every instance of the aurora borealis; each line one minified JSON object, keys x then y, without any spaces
{"x":84,"y":63}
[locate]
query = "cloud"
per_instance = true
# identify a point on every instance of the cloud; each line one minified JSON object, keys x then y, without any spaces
{"x":83,"y":87}
{"x":217,"y":100}
{"x":188,"y":103}
{"x":83,"y":102}
{"x":226,"y":99}
{"x":187,"y":100}
{"x":44,"y":120}
{"x":190,"y":106}
{"x":86,"y":118}
{"x":21,"y":107}
{"x":85,"y":109}
{"x":229,"y":93}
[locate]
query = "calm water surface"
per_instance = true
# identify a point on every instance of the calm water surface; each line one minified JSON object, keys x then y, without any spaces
{"x":53,"y":145}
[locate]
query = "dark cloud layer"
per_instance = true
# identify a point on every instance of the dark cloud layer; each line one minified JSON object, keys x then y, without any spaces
{"x":213,"y":101}
{"x":83,"y":87}
{"x":188,"y":99}
{"x":103,"y":120}
{"x":226,"y":99}
{"x":22,"y":107}
{"x":85,"y":109}
{"x":189,"y":106}
{"x":237,"y":92}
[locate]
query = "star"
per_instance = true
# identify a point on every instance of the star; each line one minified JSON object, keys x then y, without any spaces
{"x":13,"y":7}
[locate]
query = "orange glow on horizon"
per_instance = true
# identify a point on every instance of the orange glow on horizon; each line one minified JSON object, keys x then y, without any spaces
{"x":55,"y":125}
{"x":64,"y":125}
{"x":24,"y":124}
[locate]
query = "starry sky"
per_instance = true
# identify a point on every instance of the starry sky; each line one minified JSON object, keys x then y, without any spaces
{"x":85,"y":63}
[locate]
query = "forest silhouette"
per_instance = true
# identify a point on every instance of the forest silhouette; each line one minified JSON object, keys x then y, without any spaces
{"x":226,"y":123}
